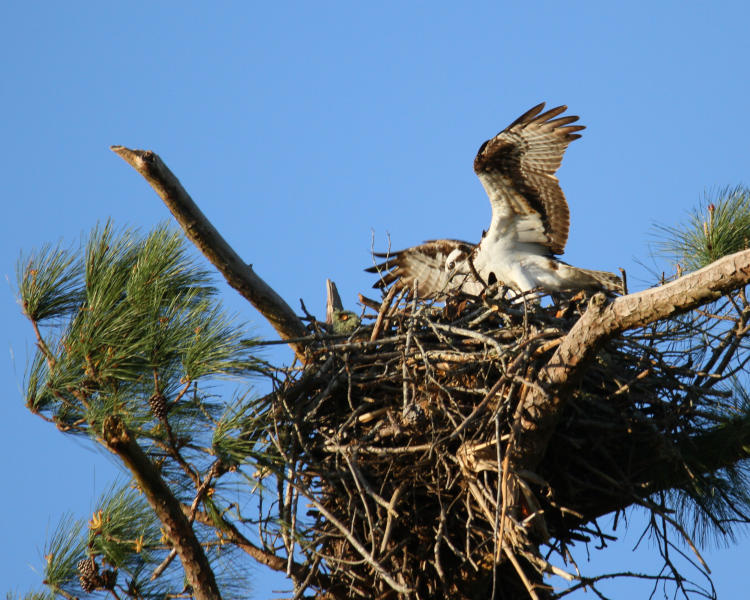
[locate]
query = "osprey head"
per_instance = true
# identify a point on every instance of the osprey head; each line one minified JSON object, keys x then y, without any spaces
{"x":456,"y":262}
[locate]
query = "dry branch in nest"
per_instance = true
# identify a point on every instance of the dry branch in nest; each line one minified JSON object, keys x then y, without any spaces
{"x":402,"y":444}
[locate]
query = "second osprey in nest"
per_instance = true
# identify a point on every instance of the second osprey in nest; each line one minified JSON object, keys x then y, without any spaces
{"x":530,"y":222}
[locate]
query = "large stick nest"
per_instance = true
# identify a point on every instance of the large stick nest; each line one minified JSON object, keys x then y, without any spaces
{"x":396,"y":436}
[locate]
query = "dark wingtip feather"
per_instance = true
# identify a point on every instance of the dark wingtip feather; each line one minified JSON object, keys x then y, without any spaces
{"x":386,"y":278}
{"x":528,"y":115}
{"x":379,"y":267}
{"x":551,"y":113}
{"x":563,"y":120}
{"x":572,"y":128}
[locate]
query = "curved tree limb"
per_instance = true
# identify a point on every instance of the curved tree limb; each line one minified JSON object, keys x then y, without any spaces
{"x":706,"y":452}
{"x":195,"y":564}
{"x":601,"y":322}
{"x":264,"y":557}
{"x":209,"y":241}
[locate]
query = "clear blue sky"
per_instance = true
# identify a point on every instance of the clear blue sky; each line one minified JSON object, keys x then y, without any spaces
{"x":301,"y":128}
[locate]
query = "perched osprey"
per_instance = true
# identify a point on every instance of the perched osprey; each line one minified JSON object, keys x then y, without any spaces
{"x":530,"y":221}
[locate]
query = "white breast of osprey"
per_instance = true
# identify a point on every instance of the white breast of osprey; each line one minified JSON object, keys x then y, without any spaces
{"x":521,"y":266}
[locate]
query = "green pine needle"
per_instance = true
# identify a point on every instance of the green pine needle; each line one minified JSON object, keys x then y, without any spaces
{"x":30,"y":596}
{"x":718,"y":226}
{"x":710,"y":506}
{"x":62,"y":552}
{"x":711,"y":503}
{"x":124,"y":529}
{"x":49,"y":284}
{"x":142,"y":319}
{"x":241,"y":435}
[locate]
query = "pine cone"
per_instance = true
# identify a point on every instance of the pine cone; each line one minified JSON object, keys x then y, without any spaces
{"x":109,"y":579}
{"x":158,"y":404}
{"x":89,"y":574}
{"x":87,"y":567}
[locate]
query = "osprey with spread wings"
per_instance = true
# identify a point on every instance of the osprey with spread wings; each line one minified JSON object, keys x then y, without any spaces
{"x":530,"y":222}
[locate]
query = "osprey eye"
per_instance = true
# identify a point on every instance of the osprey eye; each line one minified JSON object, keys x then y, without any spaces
{"x":451,"y":264}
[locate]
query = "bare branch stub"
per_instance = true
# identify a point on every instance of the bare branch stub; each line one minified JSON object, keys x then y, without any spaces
{"x":209,"y":241}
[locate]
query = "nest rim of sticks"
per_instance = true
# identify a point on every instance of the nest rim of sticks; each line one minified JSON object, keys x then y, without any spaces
{"x":402,"y":432}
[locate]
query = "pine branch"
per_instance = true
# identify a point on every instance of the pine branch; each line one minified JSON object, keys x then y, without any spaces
{"x":264,"y":557}
{"x":210,"y":242}
{"x":694,"y":456}
{"x":198,"y":571}
{"x":601,"y":322}
{"x":718,"y":448}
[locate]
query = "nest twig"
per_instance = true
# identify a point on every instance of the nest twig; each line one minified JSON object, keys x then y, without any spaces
{"x":400,"y":434}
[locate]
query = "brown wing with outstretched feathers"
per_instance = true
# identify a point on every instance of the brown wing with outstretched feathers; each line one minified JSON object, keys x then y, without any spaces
{"x":517,"y":169}
{"x":424,"y":264}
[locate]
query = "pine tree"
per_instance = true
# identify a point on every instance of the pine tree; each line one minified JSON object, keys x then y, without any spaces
{"x":130,"y":337}
{"x":424,"y":450}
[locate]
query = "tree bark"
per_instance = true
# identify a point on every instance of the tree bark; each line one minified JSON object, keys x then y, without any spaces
{"x":602,"y":321}
{"x":209,"y":241}
{"x":198,"y":571}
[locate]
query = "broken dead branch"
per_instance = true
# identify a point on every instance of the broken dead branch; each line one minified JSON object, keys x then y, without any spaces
{"x":209,"y":241}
